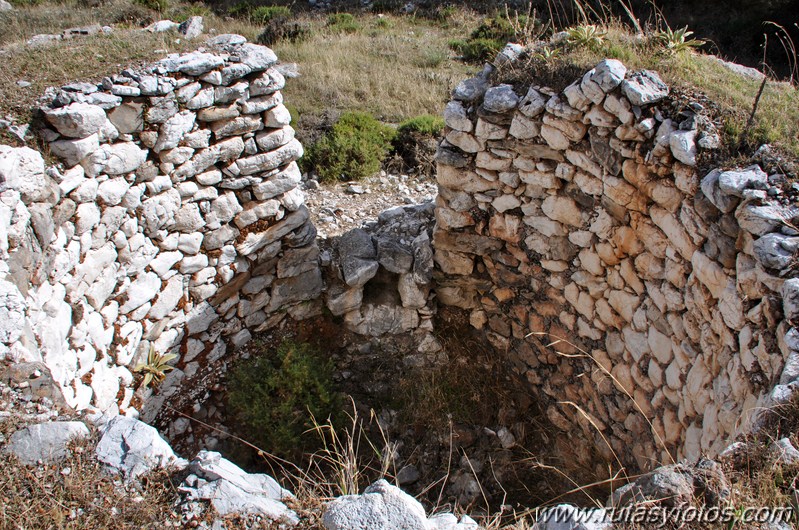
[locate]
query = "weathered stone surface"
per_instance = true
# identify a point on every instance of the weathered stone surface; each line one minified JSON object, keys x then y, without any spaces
{"x":133,"y":448}
{"x":568,"y":517}
{"x":735,"y":182}
{"x":77,"y":120}
{"x":22,"y":169}
{"x":46,"y":442}
{"x":232,"y":491}
{"x":500,"y":99}
{"x":644,"y":88}
{"x":712,"y":190}
{"x":380,"y":506}
{"x":191,"y":27}
{"x":358,"y":257}
{"x":114,"y":159}
{"x":73,"y":151}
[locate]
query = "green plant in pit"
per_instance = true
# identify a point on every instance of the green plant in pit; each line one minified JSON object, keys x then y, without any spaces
{"x":588,"y":36}
{"x":342,"y":23}
{"x":676,"y":41}
{"x":276,"y":396}
{"x":353,"y":149}
{"x":156,"y":366}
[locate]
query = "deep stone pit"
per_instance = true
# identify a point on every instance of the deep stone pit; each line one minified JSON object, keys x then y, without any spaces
{"x":629,"y":308}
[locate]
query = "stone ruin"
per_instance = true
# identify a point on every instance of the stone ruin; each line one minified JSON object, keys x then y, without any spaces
{"x":175,"y":221}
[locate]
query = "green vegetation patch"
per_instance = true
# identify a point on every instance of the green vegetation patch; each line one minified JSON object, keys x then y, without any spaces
{"x":277,"y":395}
{"x":353,"y":149}
{"x":343,"y":23}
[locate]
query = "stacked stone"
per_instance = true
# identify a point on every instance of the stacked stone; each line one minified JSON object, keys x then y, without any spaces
{"x":579,"y":215}
{"x":381,"y":277}
{"x":176,"y":221}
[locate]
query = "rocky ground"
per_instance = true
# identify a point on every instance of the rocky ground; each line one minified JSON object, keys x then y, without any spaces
{"x":339,"y":207}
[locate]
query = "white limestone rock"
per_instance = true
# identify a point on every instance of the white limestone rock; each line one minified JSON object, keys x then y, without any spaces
{"x":380,"y":506}
{"x":22,"y":169}
{"x":644,"y":88}
{"x":114,"y":159}
{"x":683,"y":146}
{"x":191,"y":27}
{"x":76,"y":120}
{"x":72,"y":151}
{"x":12,"y":313}
{"x":133,"y":448}
{"x":45,"y":441}
{"x":735,"y":182}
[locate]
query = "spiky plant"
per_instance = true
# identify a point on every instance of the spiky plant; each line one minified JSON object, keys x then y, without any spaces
{"x":675,"y":41}
{"x":587,"y":35}
{"x":156,"y":366}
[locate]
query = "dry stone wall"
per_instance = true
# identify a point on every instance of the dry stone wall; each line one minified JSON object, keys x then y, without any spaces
{"x":641,"y":299}
{"x":176,"y":223}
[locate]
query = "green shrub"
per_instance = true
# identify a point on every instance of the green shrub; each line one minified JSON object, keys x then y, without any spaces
{"x":240,"y":9}
{"x":280,"y":28}
{"x":353,"y":149}
{"x":416,"y":143}
{"x":425,"y":124}
{"x":155,"y":5}
{"x":384,"y":23}
{"x":263,"y":14}
{"x":342,"y":23}
{"x":275,"y":396}
{"x":477,"y":50}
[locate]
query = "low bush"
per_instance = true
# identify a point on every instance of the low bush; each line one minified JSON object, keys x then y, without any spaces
{"x":477,"y":50}
{"x":275,"y":396}
{"x":280,"y":28}
{"x":263,"y":14}
{"x":352,"y":149}
{"x":493,"y":33}
{"x":343,"y":23}
{"x":156,"y":5}
{"x":426,"y":124}
{"x":416,"y":142}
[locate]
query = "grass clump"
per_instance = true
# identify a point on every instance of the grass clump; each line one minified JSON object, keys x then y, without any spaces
{"x":342,"y":23}
{"x":263,"y":14}
{"x":275,"y":396}
{"x":493,"y":33}
{"x":353,"y":149}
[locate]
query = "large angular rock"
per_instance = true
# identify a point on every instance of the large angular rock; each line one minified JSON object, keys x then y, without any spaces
{"x":500,"y":99}
{"x":77,"y":120}
{"x":114,"y":159}
{"x":133,"y":448}
{"x":734,"y":182}
{"x":358,"y":257}
{"x":609,"y":74}
{"x":22,"y":169}
{"x":192,"y":27}
{"x":776,"y":251}
{"x":46,"y":441}
{"x":233,"y":491}
{"x":72,"y":151}
{"x":644,"y":88}
{"x":720,"y":199}
{"x":381,"y":506}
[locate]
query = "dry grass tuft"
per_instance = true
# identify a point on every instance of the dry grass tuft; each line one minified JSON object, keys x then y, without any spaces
{"x":78,"y":494}
{"x":394,"y":71}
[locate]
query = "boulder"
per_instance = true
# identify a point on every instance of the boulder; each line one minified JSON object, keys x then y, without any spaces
{"x":192,"y":27}
{"x":380,"y":506}
{"x":77,"y":120}
{"x":358,"y":257}
{"x":644,"y":88}
{"x":22,"y":169}
{"x":45,"y":441}
{"x":133,"y":448}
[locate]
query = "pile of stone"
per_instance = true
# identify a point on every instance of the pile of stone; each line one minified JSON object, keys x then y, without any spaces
{"x":578,"y":217}
{"x":175,"y":221}
{"x":381,"y":276}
